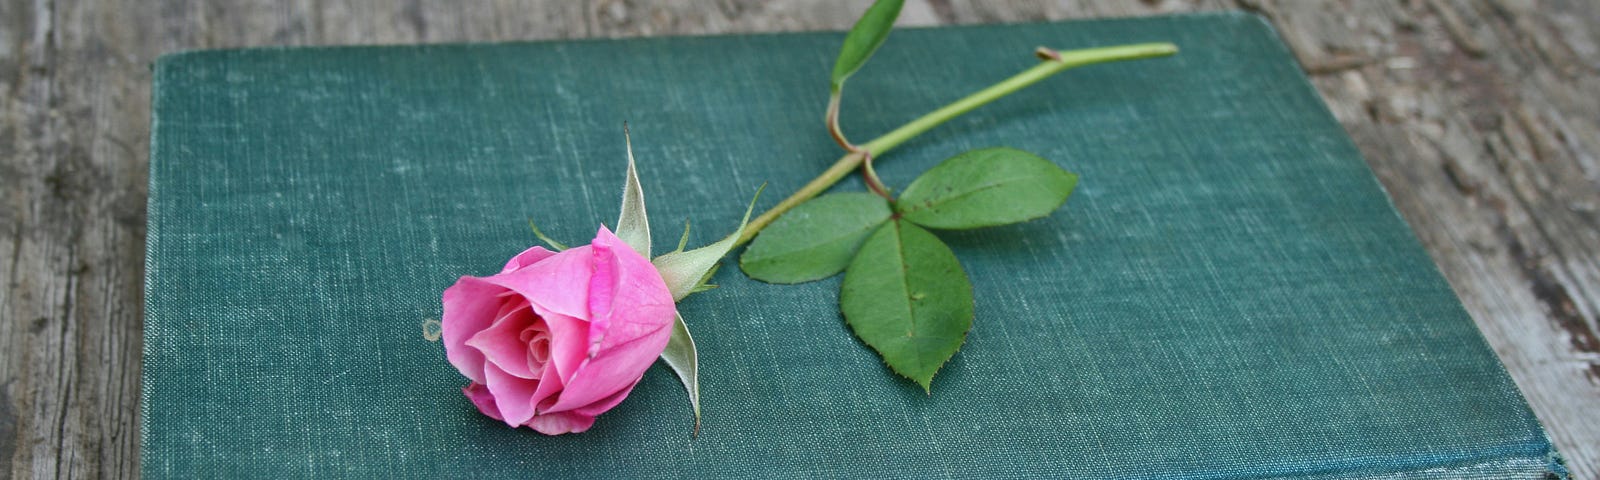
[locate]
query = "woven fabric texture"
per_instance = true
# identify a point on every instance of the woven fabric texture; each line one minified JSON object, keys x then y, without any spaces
{"x":1228,"y":294}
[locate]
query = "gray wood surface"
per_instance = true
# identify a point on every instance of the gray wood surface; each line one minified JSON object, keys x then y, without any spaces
{"x":1481,"y":118}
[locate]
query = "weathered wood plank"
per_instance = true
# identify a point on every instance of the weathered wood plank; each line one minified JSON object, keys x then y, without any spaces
{"x":73,"y":229}
{"x":1480,"y":118}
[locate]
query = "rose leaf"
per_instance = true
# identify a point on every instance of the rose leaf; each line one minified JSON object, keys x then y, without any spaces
{"x":864,"y":38}
{"x":985,"y":188}
{"x":815,"y":240}
{"x":906,"y":296}
{"x":680,"y":355}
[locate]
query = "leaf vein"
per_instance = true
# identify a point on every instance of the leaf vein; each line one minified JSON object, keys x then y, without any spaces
{"x":905,"y":286}
{"x":827,"y":241}
{"x":987,"y":186}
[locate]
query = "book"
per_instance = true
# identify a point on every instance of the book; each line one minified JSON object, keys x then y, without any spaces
{"x":1228,"y":294}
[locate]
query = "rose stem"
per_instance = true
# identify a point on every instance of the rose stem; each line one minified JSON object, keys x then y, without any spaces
{"x":1054,"y":62}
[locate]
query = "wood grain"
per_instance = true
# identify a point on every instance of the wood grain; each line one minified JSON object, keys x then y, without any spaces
{"x":1481,"y":118}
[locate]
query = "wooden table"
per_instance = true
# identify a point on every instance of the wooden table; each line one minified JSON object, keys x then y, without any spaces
{"x":1482,"y":119}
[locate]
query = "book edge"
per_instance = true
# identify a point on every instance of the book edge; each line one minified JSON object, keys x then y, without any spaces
{"x":1553,"y":465}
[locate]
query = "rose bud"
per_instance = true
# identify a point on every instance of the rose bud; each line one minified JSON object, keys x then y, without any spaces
{"x":556,"y":339}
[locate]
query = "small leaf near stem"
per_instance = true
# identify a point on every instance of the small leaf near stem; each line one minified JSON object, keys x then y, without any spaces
{"x":869,"y":33}
{"x":864,"y":38}
{"x":1063,"y":61}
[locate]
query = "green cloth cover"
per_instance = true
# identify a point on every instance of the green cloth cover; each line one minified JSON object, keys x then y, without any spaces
{"x":1228,"y":294}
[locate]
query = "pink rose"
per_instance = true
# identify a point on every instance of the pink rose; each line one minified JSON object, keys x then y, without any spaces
{"x":556,"y":339}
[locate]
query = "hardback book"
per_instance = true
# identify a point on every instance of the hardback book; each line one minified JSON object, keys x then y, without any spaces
{"x":1229,"y":293}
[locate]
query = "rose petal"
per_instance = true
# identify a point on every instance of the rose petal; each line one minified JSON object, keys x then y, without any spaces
{"x":479,"y":395}
{"x":627,"y":297}
{"x":538,"y":337}
{"x":549,"y":391}
{"x":605,"y":404}
{"x":612,"y":371}
{"x":526,"y":258}
{"x":554,"y":284}
{"x":637,"y":316}
{"x":607,"y":313}
{"x":569,"y":342}
{"x":559,"y":423}
{"x":501,"y":343}
{"x":512,"y":395}
{"x":603,"y":286}
{"x":469,"y":307}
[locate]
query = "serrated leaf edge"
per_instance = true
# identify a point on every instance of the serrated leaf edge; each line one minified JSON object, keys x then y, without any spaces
{"x":927,"y":385}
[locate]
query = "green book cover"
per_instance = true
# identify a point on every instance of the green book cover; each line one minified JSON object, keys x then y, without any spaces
{"x":1227,"y":295}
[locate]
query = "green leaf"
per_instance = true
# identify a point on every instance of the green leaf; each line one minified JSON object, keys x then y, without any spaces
{"x":984,"y":188}
{"x":680,"y":355}
{"x":686,"y":271}
{"x":906,"y":296}
{"x":864,"y":38}
{"x":633,"y":227}
{"x":814,"y":240}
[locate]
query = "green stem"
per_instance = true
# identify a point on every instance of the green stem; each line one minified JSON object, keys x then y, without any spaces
{"x":832,"y":119}
{"x":1054,"y":62}
{"x":871,"y":177}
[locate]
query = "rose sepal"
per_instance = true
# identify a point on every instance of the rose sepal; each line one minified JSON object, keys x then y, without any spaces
{"x":633,"y":225}
{"x":686,"y":271}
